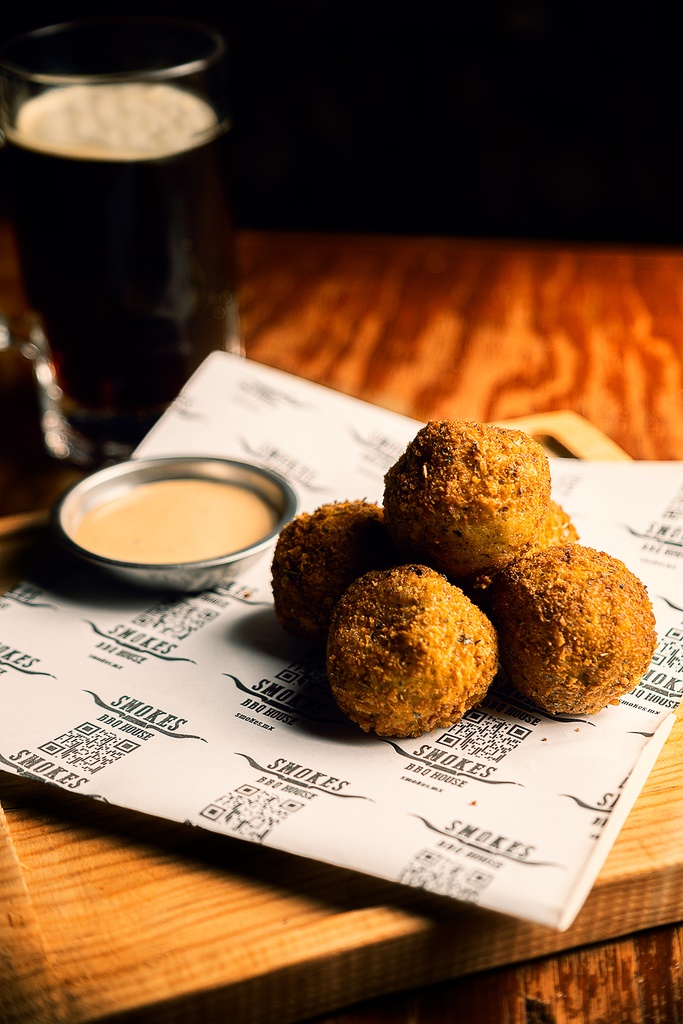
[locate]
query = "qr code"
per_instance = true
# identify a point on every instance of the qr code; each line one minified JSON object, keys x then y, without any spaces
{"x":669,"y":652}
{"x":26,"y":593}
{"x":302,"y":673}
{"x":250,"y":812}
{"x":675,"y":508}
{"x":432,"y":871}
{"x":483,"y":735}
{"x":89,"y":747}
{"x":177,"y":619}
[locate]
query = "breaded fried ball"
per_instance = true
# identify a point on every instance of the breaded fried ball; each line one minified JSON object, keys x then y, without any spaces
{"x":408,"y":652}
{"x":576,"y":628}
{"x":558,"y":529}
{"x":318,"y":554}
{"x":467,"y":496}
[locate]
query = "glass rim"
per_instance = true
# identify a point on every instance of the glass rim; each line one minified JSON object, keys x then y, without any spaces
{"x":216,"y":49}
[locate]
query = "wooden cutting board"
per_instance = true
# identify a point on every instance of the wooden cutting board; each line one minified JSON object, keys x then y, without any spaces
{"x":104,"y":911}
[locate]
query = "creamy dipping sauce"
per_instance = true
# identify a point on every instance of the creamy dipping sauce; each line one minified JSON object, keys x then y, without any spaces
{"x":171,"y":521}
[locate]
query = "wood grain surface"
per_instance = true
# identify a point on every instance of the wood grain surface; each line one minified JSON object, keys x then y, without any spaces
{"x":481,"y":330}
{"x":431,"y":328}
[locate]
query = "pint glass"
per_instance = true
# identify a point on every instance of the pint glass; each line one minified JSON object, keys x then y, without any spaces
{"x":114,"y":141}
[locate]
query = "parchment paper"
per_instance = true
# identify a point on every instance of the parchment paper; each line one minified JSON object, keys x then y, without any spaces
{"x":201,"y":709}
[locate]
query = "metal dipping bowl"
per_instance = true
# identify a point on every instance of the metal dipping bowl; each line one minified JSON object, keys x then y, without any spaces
{"x":116,"y":481}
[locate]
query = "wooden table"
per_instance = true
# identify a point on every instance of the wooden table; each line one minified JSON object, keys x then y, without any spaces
{"x":435,"y":328}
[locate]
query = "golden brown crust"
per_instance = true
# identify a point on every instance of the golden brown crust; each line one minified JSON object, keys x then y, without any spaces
{"x":408,"y":652}
{"x":466,"y":497}
{"x":467,"y":517}
{"x":576,"y":627}
{"x":318,"y":554}
{"x":558,"y":529}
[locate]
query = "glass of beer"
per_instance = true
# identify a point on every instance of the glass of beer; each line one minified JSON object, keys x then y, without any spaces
{"x":114,"y":135}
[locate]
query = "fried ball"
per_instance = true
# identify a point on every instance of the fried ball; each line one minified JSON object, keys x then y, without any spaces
{"x":467,"y":496}
{"x":408,"y":652}
{"x":557,"y":529}
{"x":576,"y":628}
{"x":318,"y":554}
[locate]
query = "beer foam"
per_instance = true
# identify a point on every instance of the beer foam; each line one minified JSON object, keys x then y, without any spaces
{"x":122,"y":121}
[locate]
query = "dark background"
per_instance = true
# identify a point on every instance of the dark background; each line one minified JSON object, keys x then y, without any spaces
{"x":518,"y":118}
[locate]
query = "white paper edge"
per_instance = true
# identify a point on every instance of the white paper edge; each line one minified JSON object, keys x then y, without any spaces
{"x":630,"y":793}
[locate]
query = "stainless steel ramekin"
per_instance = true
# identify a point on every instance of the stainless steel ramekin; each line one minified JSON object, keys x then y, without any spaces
{"x":115,"y":481}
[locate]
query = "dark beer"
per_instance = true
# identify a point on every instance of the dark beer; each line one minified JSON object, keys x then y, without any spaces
{"x":127,"y":257}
